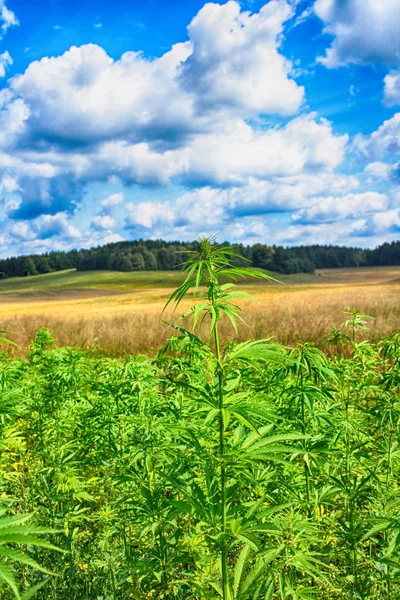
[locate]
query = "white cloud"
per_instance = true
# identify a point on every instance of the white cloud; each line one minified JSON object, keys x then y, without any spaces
{"x":113,"y":200}
{"x":248,"y":231}
{"x":110,"y":238}
{"x":351,"y":206}
{"x":83,"y":117}
{"x":235,"y":60}
{"x":392,"y":88}
{"x":14,"y":115}
{"x":235,"y":155}
{"x":85,"y":96}
{"x":9,"y":184}
{"x":57,"y":225}
{"x":103,"y":222}
{"x":382,"y":142}
{"x":22,"y":231}
{"x":87,"y":240}
{"x":209,"y":208}
{"x":387,"y":221}
{"x":45,"y":227}
{"x":324,"y":233}
{"x":5,"y":62}
{"x":7,"y":17}
{"x":365,"y":31}
{"x":230,"y":66}
{"x":149,"y":214}
{"x":378,"y":170}
{"x":138,"y":163}
{"x":304,"y":144}
{"x":385,"y":224}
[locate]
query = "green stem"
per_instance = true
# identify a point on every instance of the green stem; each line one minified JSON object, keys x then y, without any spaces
{"x":114,"y":588}
{"x":355,"y":569}
{"x":224,"y":570}
{"x":309,"y":514}
{"x":388,"y":469}
{"x":304,"y":431}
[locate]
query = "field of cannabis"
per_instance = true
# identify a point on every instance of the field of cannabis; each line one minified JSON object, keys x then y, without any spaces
{"x":241,"y":471}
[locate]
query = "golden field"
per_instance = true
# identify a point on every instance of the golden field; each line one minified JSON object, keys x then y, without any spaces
{"x":114,"y":313}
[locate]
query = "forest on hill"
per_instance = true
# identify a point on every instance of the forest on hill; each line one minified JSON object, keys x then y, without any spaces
{"x":153,"y":255}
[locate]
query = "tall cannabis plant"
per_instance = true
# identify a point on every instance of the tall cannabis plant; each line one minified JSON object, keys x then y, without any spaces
{"x":242,"y":440}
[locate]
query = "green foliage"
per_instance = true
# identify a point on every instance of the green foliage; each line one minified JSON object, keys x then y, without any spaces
{"x":15,"y":531}
{"x":251,"y":472}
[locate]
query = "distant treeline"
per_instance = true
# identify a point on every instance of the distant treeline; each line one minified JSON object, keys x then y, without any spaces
{"x":157,"y":255}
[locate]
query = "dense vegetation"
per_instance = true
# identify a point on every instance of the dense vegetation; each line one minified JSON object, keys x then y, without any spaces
{"x":165,"y":256}
{"x":248,"y":472}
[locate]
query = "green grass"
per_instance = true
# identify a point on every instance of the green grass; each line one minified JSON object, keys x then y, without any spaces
{"x":65,"y":283}
{"x":62,"y":281}
{"x":116,"y":281}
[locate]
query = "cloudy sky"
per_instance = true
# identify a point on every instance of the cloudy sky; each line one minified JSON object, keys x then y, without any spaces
{"x":273,"y":122}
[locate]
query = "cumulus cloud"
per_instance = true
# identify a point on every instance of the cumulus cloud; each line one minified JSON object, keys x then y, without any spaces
{"x":14,"y":115}
{"x":387,"y":221}
{"x":5,"y":62}
{"x":57,"y":225}
{"x":88,"y":239}
{"x":83,"y":116}
{"x":248,"y":231}
{"x":385,"y":141}
{"x":7,"y":17}
{"x":235,"y":60}
{"x":22,"y":231}
{"x":392,"y":88}
{"x":84,"y":96}
{"x":365,"y":31}
{"x":304,"y":144}
{"x":385,"y":224}
{"x":330,"y":209}
{"x":138,"y":163}
{"x":112,"y":201}
{"x":103,"y":222}
{"x":9,"y":184}
{"x":378,"y":170}
{"x":52,"y":180}
{"x":232,"y":58}
{"x":323,"y":233}
{"x":228,"y":156}
{"x":211,"y":208}
{"x":149,"y":215}
{"x":45,"y":227}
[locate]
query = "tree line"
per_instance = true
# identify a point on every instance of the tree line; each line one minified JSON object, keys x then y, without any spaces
{"x":158,"y":255}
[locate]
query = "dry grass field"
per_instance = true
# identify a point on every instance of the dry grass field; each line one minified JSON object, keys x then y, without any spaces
{"x":114,"y":313}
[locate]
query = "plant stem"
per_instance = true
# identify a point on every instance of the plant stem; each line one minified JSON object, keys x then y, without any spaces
{"x":224,"y":570}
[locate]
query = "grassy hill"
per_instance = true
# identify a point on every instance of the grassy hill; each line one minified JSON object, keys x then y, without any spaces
{"x":63,"y":282}
{"x":101,"y":282}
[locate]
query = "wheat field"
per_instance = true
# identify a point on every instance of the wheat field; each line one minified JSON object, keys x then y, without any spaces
{"x":118,"y":313}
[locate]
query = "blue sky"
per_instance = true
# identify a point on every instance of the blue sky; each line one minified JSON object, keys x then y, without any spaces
{"x":273,"y":122}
